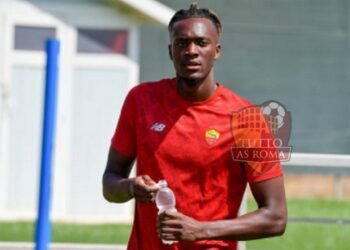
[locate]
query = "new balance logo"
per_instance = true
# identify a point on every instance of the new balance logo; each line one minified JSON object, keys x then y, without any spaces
{"x":159,"y":127}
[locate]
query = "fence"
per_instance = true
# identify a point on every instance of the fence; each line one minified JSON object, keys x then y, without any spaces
{"x":334,"y":164}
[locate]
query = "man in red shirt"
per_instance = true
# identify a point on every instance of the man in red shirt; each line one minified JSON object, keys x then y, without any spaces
{"x":181,"y":130}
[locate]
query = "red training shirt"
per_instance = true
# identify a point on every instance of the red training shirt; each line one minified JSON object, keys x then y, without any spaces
{"x":188,"y":144}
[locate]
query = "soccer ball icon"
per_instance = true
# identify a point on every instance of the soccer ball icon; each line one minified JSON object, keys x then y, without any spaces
{"x":274,"y":113}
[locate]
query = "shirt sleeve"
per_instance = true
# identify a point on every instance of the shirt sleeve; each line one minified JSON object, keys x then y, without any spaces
{"x":268,"y":170}
{"x":124,"y":138}
{"x":265,"y":162}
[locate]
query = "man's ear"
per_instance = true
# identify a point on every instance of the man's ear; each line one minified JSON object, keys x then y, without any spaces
{"x":217,"y":51}
{"x":170,"y":53}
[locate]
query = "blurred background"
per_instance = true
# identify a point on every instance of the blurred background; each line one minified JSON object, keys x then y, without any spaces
{"x":295,"y":52}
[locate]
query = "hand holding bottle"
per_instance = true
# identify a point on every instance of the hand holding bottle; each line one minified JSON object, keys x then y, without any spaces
{"x":175,"y":226}
{"x":165,"y":201}
{"x":143,"y":188}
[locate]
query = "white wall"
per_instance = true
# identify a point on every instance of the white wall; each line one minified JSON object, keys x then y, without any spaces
{"x":91,"y":92}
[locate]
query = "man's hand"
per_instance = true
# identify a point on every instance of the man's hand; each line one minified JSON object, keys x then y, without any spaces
{"x":176,"y":226}
{"x":143,"y":188}
{"x":118,"y":187}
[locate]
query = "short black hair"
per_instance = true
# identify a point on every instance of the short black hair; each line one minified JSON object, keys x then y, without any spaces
{"x":195,"y":11}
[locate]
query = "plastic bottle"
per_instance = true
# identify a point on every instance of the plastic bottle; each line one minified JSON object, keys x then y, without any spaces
{"x":165,"y":201}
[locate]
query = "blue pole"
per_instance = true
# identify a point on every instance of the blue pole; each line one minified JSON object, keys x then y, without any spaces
{"x":43,"y":225}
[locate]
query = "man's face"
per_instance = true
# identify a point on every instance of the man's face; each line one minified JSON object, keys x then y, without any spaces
{"x":194,"y":47}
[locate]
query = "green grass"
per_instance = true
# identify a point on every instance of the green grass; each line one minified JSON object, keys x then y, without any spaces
{"x":299,"y":236}
{"x":62,"y":232}
{"x":309,"y":236}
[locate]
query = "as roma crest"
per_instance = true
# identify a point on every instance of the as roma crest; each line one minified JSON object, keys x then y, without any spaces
{"x":212,"y":136}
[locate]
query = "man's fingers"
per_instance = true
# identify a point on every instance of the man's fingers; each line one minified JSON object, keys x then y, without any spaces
{"x":167,"y":222}
{"x":146,"y":183}
{"x":142,"y":195}
{"x":140,"y":181}
{"x":144,"y":198}
{"x":153,"y":188}
{"x":167,"y":215}
{"x":151,"y":185}
{"x":148,"y":180}
{"x":145,"y":188}
{"x":172,"y":237}
{"x":162,"y":217}
{"x":169,"y":225}
{"x":172,"y":214}
{"x":168,"y":233}
{"x":144,"y":191}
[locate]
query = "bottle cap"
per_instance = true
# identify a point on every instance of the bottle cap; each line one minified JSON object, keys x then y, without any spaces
{"x":163,"y":183}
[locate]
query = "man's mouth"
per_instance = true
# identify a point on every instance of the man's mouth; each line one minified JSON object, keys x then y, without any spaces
{"x":192,"y":65}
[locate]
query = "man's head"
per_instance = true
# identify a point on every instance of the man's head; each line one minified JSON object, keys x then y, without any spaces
{"x":194,"y":42}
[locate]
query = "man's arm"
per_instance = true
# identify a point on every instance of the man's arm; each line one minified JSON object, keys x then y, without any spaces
{"x":117,"y":187}
{"x":268,"y":220}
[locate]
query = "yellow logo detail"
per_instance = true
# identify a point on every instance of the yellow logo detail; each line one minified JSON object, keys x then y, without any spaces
{"x":211,"y":136}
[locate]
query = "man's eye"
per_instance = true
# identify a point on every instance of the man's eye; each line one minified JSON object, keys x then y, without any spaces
{"x":180,"y":43}
{"x":202,"y":43}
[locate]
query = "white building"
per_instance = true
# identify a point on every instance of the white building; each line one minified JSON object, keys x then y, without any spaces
{"x":98,"y":65}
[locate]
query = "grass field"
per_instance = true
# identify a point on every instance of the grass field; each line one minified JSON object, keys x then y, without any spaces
{"x":62,"y":232}
{"x":305,"y":236}
{"x":308,"y":236}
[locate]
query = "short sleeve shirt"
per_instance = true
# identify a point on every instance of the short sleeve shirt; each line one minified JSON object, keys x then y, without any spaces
{"x":189,"y":145}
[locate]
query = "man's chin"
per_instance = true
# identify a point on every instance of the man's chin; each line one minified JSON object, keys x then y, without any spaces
{"x":192,"y":80}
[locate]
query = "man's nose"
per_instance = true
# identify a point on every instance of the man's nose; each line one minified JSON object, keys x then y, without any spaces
{"x":191,"y":49}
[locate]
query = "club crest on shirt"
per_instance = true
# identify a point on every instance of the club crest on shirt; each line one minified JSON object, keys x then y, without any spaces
{"x":211,"y":136}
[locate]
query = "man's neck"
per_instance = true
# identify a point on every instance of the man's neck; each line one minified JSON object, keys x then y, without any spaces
{"x":196,"y":90}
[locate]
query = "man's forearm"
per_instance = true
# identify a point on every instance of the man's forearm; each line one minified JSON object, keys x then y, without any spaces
{"x":116,"y":189}
{"x":258,"y":224}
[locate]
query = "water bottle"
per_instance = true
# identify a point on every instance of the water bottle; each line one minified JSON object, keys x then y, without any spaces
{"x":165,"y":201}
